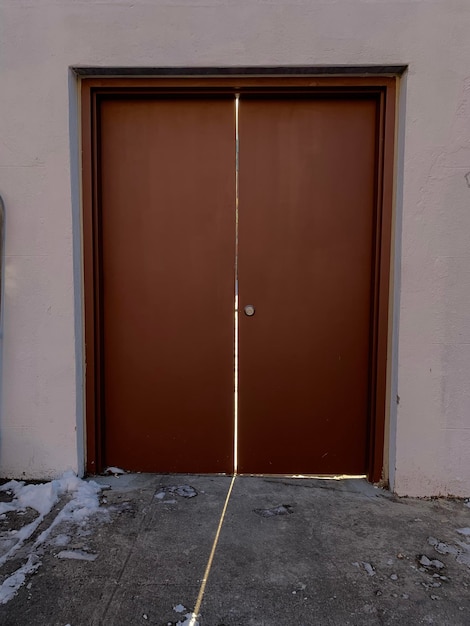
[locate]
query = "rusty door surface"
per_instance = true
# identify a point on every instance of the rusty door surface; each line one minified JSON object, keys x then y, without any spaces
{"x":306,"y":230}
{"x":167,"y":223}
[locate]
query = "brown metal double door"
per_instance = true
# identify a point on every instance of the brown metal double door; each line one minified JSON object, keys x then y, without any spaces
{"x":305,"y":255}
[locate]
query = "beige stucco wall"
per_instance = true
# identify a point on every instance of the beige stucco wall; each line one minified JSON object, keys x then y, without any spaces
{"x":41,"y":416}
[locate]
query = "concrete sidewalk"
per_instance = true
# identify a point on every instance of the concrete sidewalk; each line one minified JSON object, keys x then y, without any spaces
{"x":290,"y":551}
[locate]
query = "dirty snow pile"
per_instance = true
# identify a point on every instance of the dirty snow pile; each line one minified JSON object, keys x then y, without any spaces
{"x":82,"y":502}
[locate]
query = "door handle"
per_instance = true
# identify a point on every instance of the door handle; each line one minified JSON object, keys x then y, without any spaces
{"x":249,"y":310}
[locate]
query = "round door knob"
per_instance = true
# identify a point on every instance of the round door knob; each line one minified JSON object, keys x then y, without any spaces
{"x":249,"y":310}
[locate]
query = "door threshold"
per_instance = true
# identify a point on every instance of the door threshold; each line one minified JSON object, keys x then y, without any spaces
{"x":310,"y":476}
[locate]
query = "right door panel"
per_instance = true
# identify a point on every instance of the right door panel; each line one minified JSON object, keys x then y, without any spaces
{"x":306,"y":253}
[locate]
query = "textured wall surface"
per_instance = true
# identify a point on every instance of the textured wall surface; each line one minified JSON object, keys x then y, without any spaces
{"x":41,"y":417}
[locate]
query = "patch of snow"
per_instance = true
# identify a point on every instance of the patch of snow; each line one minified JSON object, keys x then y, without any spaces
{"x":6,"y":507}
{"x":61,"y":540}
{"x":464,"y":531}
{"x":83,"y":502}
{"x":6,"y":543}
{"x":160,"y":495}
{"x":117,"y":471}
{"x":179,"y":608}
{"x":40,"y":497}
{"x":78,"y":555}
{"x":10,"y":586}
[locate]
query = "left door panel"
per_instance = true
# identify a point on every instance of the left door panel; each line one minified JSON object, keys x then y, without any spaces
{"x":166,"y":241}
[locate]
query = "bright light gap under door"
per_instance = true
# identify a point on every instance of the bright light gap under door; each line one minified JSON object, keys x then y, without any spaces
{"x":235,"y":368}
{"x":193,"y":619}
{"x":311,"y":476}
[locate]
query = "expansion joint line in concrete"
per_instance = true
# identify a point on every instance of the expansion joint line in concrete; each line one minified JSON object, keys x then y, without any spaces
{"x":193,"y":620}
